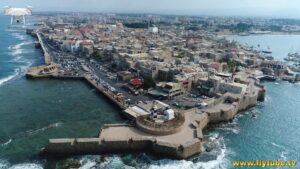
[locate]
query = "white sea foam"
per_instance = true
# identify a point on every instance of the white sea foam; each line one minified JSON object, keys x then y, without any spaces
{"x":233,"y":130}
{"x":298,"y":83}
{"x":219,"y":160}
{"x":6,"y":143}
{"x":4,"y":164}
{"x":11,"y":30}
{"x":87,"y":164}
{"x":276,"y":145}
{"x":19,"y":51}
{"x":26,"y":166}
{"x":54,"y":125}
{"x":6,"y":79}
{"x":231,"y":127}
{"x":18,"y":71}
{"x":18,"y":46}
{"x":219,"y":163}
{"x":19,"y":36}
{"x":283,"y":155}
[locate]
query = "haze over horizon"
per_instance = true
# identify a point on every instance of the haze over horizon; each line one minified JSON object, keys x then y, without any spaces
{"x":257,"y":8}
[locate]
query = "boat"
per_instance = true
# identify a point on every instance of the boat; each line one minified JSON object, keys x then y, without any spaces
{"x":266,"y":52}
{"x":37,"y":44}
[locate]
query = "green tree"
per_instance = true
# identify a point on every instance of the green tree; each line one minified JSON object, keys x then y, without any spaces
{"x":149,"y":82}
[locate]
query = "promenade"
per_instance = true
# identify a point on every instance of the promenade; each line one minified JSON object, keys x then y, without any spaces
{"x":55,"y":70}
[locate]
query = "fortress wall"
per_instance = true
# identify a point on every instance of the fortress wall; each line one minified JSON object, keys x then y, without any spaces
{"x":247,"y":101}
{"x":190,"y":148}
{"x":158,"y":131}
{"x":227,"y":113}
{"x":222,"y":112}
{"x":220,"y":115}
{"x":181,"y":151}
{"x":203,"y":121}
{"x":133,"y":144}
{"x":63,"y":147}
{"x":94,"y":145}
{"x":261,"y":95}
{"x":166,"y":149}
{"x":70,"y":146}
{"x":230,"y":113}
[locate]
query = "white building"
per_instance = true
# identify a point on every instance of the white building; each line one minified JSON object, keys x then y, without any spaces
{"x":153,"y":29}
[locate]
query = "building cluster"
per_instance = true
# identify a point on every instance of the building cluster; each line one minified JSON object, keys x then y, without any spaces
{"x":159,"y":57}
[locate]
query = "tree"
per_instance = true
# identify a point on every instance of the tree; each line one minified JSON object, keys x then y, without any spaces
{"x":97,"y":55}
{"x":149,"y":82}
{"x":232,"y":66}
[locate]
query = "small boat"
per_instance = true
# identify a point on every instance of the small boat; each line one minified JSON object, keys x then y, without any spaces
{"x":266,"y":52}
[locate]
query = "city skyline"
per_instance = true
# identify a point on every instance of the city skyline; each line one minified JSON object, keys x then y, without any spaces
{"x":257,"y":8}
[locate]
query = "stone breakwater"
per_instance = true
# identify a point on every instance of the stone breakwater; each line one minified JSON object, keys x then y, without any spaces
{"x":181,"y":143}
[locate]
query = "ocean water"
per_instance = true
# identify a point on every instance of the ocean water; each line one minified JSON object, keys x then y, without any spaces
{"x":32,"y":111}
{"x":280,"y":45}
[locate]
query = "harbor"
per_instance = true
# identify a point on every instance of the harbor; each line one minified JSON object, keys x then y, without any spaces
{"x":46,"y":111}
{"x":179,"y":142}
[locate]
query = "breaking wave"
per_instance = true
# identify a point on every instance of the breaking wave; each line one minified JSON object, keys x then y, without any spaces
{"x":20,"y":45}
{"x":19,"y":51}
{"x":215,"y":158}
{"x":6,"y":143}
{"x":17,"y":72}
{"x":26,"y":166}
{"x":5,"y":165}
{"x":6,"y":79}
{"x":19,"y":36}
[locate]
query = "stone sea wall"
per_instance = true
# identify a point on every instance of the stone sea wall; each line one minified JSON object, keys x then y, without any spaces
{"x":64,"y":147}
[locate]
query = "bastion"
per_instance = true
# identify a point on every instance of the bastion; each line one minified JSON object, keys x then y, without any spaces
{"x":179,"y":139}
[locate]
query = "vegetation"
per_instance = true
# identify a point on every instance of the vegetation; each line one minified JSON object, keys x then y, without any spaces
{"x":149,"y":82}
{"x":97,"y":55}
{"x":233,"y":65}
{"x":138,"y":25}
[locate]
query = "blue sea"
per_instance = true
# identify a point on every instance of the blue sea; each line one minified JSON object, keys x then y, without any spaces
{"x":32,"y":111}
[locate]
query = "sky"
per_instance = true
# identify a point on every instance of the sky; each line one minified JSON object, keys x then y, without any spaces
{"x":266,"y":8}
